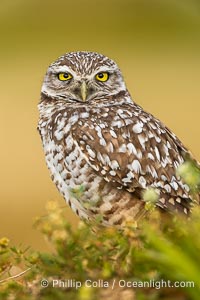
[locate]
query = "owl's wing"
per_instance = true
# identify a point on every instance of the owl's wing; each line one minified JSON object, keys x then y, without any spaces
{"x":135,"y":150}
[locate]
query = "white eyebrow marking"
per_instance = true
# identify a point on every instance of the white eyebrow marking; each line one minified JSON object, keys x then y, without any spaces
{"x":105,"y":69}
{"x":64,"y":69}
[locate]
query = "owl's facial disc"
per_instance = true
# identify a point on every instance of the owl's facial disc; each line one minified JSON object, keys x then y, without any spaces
{"x":83,"y":77}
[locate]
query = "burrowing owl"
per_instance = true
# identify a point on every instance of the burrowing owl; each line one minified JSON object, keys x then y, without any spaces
{"x":102,"y":149}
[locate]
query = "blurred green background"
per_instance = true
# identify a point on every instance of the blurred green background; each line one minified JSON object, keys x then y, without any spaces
{"x":155,"y":43}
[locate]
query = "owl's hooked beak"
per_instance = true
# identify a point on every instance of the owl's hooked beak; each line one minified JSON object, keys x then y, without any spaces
{"x":84,"y":91}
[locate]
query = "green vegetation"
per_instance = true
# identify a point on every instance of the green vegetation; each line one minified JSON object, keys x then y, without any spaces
{"x":91,"y":262}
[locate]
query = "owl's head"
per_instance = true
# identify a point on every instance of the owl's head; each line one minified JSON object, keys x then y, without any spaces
{"x":82,"y":76}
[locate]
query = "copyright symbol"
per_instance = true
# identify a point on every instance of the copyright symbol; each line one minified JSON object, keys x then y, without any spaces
{"x":44,"y":283}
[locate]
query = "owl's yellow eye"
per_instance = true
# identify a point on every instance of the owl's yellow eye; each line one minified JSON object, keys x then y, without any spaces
{"x":102,"y":76}
{"x":64,"y":76}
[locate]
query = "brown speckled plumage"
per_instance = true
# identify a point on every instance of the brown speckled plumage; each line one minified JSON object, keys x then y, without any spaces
{"x":103,"y":152}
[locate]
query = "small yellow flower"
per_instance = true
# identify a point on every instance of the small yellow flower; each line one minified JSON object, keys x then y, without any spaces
{"x":150,"y":195}
{"x":4,"y":242}
{"x":51,"y":206}
{"x":59,"y":235}
{"x":190,"y":174}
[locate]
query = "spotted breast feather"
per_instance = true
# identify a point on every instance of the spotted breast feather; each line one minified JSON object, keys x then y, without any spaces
{"x":131,"y":148}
